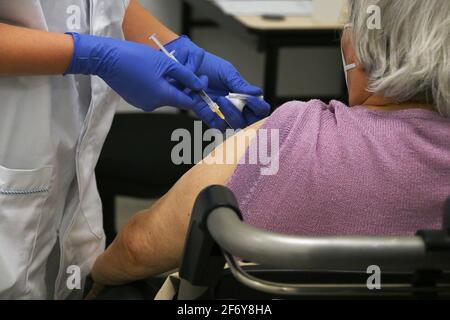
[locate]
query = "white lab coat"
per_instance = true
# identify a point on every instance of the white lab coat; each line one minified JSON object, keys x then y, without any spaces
{"x":52,"y":129}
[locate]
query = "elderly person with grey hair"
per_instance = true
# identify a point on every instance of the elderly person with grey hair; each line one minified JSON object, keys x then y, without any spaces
{"x":378,"y":166}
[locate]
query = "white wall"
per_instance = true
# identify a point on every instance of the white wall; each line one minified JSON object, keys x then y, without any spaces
{"x":302,"y":71}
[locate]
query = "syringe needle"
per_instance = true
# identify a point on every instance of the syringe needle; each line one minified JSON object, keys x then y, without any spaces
{"x":221,"y":116}
{"x":212,"y":105}
{"x":228,"y":123}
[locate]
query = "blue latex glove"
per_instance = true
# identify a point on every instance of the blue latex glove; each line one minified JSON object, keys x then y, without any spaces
{"x":255,"y":110}
{"x":223,"y":78}
{"x":138,"y":73}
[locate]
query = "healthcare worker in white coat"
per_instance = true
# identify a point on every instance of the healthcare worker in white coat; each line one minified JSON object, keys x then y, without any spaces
{"x":63,"y":67}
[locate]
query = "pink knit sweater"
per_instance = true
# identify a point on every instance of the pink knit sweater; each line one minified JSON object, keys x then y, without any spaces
{"x":348,"y":171}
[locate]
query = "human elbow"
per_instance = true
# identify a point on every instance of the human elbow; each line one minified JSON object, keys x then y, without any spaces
{"x":134,"y":242}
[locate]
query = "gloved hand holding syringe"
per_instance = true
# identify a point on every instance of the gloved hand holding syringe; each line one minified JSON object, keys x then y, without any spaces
{"x":212,"y":105}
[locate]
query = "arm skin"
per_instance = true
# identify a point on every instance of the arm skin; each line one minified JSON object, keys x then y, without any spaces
{"x":139,"y":24}
{"x":37,"y":53}
{"x":153,"y":240}
{"x":48,"y":53}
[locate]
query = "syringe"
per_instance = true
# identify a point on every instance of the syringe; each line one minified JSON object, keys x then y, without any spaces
{"x":211,"y":104}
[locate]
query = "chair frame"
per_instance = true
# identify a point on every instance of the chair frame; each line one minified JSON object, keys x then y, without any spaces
{"x":217,"y":235}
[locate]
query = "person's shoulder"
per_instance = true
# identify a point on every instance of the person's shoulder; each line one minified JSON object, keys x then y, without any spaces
{"x":300,"y":108}
{"x":296,"y":112}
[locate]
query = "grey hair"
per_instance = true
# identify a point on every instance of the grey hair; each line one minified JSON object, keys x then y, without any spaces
{"x":408,"y":59}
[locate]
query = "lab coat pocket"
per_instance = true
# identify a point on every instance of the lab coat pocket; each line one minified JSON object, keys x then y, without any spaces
{"x":22,"y":196}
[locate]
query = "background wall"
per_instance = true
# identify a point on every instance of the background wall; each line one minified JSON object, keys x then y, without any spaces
{"x":302,"y":71}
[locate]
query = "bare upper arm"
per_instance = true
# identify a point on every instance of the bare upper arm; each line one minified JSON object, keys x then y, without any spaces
{"x":138,"y":24}
{"x":152,"y":242}
{"x":216,"y":168}
{"x":172,"y":212}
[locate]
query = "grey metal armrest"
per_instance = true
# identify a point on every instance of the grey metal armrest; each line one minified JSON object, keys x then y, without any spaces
{"x":217,"y":234}
{"x":401,"y":254}
{"x":321,"y":253}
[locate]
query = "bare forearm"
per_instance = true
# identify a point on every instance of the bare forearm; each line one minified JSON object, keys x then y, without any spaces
{"x":139,"y":24}
{"x":26,"y":51}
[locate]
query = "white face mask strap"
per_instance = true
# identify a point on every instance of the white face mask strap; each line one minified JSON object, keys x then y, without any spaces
{"x":352,"y":65}
{"x":348,"y":25}
{"x":349,"y":66}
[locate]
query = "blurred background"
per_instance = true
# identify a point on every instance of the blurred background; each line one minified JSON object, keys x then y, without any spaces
{"x":305,"y":71}
{"x":130,"y":176}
